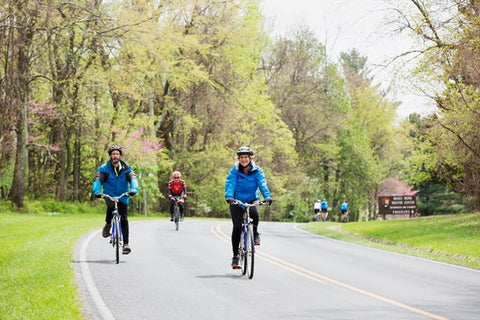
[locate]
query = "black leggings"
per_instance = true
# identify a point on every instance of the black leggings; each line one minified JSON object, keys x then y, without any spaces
{"x":237,"y":218}
{"x":172,"y":205}
{"x":123,"y":211}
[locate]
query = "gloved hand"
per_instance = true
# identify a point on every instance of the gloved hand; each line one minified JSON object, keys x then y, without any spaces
{"x":98,"y":195}
{"x":229,"y":200}
{"x":269,"y":201}
{"x":132,"y":193}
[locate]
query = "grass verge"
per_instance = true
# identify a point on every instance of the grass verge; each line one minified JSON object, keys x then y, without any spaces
{"x":447,"y":238}
{"x":37,"y":280}
{"x":36,"y":273}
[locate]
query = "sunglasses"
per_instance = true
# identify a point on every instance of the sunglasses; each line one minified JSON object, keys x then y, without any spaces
{"x":176,"y":177}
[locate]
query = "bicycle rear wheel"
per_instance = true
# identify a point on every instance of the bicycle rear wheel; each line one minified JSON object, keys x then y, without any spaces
{"x":250,"y":253}
{"x":117,"y":241}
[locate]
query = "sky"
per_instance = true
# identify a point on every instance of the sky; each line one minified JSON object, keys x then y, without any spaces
{"x":346,"y":24}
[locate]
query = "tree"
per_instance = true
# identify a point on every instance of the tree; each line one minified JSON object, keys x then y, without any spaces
{"x":449,"y":31}
{"x":18,"y":31}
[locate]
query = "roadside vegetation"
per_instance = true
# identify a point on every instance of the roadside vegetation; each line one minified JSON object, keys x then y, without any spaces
{"x":37,"y":279}
{"x":447,"y":238}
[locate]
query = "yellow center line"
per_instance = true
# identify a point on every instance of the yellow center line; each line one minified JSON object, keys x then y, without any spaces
{"x":322,"y":279}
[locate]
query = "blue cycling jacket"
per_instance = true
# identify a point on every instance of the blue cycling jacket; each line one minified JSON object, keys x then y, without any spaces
{"x":244,"y":187}
{"x":113,"y":185}
{"x":344,"y":206}
{"x":324,"y":204}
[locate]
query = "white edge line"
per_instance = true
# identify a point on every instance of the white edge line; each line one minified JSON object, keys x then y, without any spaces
{"x":87,"y":277}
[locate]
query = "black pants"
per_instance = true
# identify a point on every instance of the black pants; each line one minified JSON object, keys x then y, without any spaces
{"x":123,"y":211}
{"x":236,"y":213}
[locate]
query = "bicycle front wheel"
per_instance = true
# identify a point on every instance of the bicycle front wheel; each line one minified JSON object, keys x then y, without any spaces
{"x":177,"y":217}
{"x":117,"y":240}
{"x":250,"y":253}
{"x":241,"y":253}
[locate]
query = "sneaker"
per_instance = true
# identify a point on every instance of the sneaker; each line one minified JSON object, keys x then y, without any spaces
{"x":126,"y":249}
{"x":106,"y":230}
{"x":235,"y":264}
{"x":256,"y":239}
{"x":171,"y":218}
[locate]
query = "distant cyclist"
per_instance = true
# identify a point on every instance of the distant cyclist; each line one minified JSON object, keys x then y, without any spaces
{"x":344,"y":209}
{"x":242,"y":183}
{"x":177,"y":188}
{"x":316,"y":209}
{"x":324,"y":208}
{"x":116,"y":177}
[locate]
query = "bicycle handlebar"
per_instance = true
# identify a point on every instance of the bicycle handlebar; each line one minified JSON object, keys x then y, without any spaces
{"x":253,"y":204}
{"x":115,"y":199}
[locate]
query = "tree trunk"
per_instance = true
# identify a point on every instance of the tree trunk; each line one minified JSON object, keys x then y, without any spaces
{"x":21,"y":158}
{"x":18,"y":88}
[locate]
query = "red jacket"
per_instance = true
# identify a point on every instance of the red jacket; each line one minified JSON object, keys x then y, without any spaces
{"x":177,"y":187}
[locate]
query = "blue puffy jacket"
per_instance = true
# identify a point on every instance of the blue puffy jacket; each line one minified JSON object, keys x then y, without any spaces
{"x":244,"y":187}
{"x":113,"y":185}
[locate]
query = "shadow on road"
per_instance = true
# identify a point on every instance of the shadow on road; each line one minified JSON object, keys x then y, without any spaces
{"x":98,"y":261}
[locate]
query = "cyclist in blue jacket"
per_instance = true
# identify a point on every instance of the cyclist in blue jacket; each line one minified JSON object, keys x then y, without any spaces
{"x":242,"y":183}
{"x":344,"y":210}
{"x":116,"y":177}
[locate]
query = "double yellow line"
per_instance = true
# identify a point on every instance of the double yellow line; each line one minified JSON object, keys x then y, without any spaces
{"x":323,"y":279}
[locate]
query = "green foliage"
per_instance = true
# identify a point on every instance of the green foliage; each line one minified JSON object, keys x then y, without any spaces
{"x":182,"y":85}
{"x":434,"y":198}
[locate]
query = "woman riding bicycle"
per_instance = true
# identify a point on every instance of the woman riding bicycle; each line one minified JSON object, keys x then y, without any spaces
{"x":115,"y":176}
{"x":242,"y":183}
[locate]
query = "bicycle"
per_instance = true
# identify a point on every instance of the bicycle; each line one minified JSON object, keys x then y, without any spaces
{"x":246,"y":247}
{"x":177,"y":216}
{"x":116,"y":238}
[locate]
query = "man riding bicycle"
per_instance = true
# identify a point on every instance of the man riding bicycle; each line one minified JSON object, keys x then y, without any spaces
{"x":324,"y":208}
{"x":344,"y":210}
{"x":116,"y":177}
{"x":176,"y":188}
{"x":242,"y":183}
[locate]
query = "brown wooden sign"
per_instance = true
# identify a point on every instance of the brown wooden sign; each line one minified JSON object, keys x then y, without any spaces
{"x":397,"y":205}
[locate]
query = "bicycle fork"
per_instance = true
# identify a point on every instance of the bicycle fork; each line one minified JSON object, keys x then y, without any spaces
{"x":117,"y":221}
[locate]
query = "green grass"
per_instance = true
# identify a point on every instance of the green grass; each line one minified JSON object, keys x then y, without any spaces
{"x":37,"y":279}
{"x":447,"y":238}
{"x":36,"y":273}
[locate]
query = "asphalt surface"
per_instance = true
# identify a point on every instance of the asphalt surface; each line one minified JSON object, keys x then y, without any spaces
{"x":186,"y":274}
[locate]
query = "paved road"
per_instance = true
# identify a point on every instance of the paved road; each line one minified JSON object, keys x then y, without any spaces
{"x":186,"y":274}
